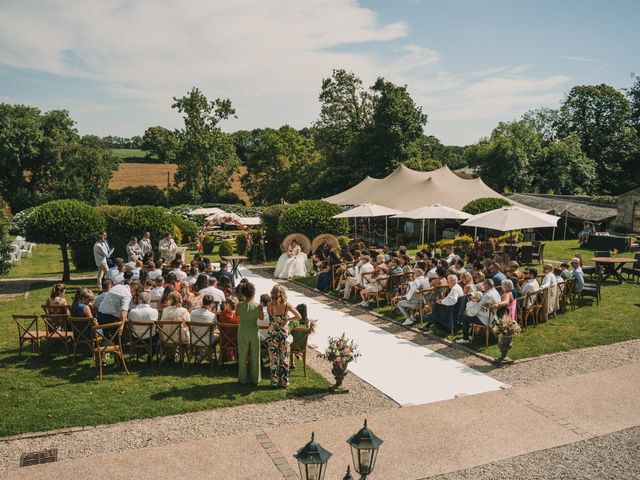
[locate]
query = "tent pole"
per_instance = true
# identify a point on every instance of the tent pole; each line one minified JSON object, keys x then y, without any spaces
{"x":435,"y":229}
{"x":566,"y":213}
{"x":397,"y":231}
{"x":422,"y":233}
{"x":475,"y":234}
{"x":386,"y":219}
{"x":553,"y":235}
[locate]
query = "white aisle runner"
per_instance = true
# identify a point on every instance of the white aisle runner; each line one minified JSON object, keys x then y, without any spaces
{"x":408,"y":373}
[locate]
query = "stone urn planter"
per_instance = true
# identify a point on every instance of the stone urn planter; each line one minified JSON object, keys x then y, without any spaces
{"x":504,"y":344}
{"x":339,"y":371}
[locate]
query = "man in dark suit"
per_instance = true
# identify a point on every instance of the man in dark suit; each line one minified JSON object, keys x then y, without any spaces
{"x":224,"y":272}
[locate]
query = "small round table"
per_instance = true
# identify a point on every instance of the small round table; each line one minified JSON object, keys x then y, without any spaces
{"x":612,"y":266}
{"x":235,"y":260}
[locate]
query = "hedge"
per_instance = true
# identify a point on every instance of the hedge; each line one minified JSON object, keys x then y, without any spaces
{"x":139,"y":195}
{"x":481,"y":205}
{"x":242,"y":243}
{"x":188,"y":228}
{"x":312,"y":217}
{"x":64,"y":222}
{"x":270,"y":218}
{"x":226,"y":248}
{"x":134,"y":221}
{"x":208,"y":243}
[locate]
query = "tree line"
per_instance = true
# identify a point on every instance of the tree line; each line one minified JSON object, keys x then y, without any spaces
{"x":591,"y":144}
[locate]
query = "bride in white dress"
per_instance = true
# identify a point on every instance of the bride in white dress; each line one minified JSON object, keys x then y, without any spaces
{"x":292,"y":263}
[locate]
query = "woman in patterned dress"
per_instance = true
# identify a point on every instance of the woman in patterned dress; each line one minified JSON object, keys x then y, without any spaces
{"x":280,"y":313}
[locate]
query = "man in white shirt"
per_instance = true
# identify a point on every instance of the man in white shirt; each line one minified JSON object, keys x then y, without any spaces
{"x":480,"y":311}
{"x":412,"y":300}
{"x":549,"y":279}
{"x":578,"y":274}
{"x":200,"y":337}
{"x":157,"y":291}
{"x":153,"y":272}
{"x":177,"y":270}
{"x":143,"y":312}
{"x":364,"y":267}
{"x":100,"y":255}
{"x":455,"y":292}
{"x":133,"y":248}
{"x":550,"y":282}
{"x":204,"y":314}
{"x":145,"y":243}
{"x":216,"y":293}
{"x":530,"y":284}
{"x":117,"y":274}
{"x":167,"y":248}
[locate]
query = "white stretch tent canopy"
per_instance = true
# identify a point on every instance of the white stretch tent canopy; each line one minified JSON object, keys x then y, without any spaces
{"x":250,"y":220}
{"x":228,"y":216}
{"x":435,"y":212}
{"x":207,"y":211}
{"x":510,"y":218}
{"x":406,"y":189}
{"x":368,"y":210}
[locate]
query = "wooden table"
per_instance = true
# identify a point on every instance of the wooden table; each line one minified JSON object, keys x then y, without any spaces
{"x":612,"y":266}
{"x":235,"y":260}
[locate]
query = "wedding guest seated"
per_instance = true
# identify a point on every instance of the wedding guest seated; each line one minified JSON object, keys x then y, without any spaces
{"x":557,"y":271}
{"x":364,"y":267}
{"x":192,"y":275}
{"x":228,"y":313}
{"x":82,"y":303}
{"x":213,"y":290}
{"x":433,"y":265}
{"x":168,"y":290}
{"x":177,"y":270}
{"x":321,"y":253}
{"x":438,"y":319}
{"x":565,"y":273}
{"x":106,"y":286}
{"x":204,"y":314}
{"x":549,"y":278}
{"x":466,"y":282}
{"x":186,"y":294}
{"x":116,"y":267}
{"x":116,"y":274}
{"x":412,"y":298}
{"x":578,"y":274}
{"x":133,"y":249}
{"x":223,"y":271}
{"x":479,"y":278}
{"x":174,"y":311}
{"x":157,"y":291}
{"x":530,"y":284}
{"x":143,"y":312}
{"x":56,"y":297}
{"x":496,"y":275}
{"x":478,"y":313}
{"x":323,"y":280}
{"x":514,"y":272}
{"x":171,"y":279}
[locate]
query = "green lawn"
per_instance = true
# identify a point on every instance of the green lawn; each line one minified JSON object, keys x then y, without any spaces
{"x":38,"y":395}
{"x":46,"y":261}
{"x":126,"y":153}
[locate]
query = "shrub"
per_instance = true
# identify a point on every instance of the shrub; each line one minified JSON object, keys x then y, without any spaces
{"x":444,"y":243}
{"x":176,"y":234}
{"x":462,"y":240}
{"x":343,"y":240}
{"x":517,"y":234}
{"x":481,"y":205}
{"x":312,"y":217}
{"x":208,"y":242}
{"x":139,"y":195}
{"x":270,"y":217}
{"x":19,"y":221}
{"x":226,"y":248}
{"x":188,"y":228}
{"x":129,"y":221}
{"x":243,"y":243}
{"x":64,"y":222}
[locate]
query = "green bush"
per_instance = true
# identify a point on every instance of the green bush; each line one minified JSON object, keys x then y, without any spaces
{"x":272,"y":238}
{"x":462,"y":240}
{"x":5,"y":249}
{"x":226,"y":248}
{"x":64,"y":222}
{"x":138,"y":195}
{"x":208,"y":242}
{"x":481,"y":205}
{"x":188,"y":228}
{"x":176,"y":234}
{"x":243,"y":243}
{"x":517,"y":234}
{"x":134,"y":221}
{"x":312,"y":217}
{"x":343,"y":240}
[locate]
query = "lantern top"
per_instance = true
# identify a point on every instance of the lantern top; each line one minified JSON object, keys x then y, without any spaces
{"x":365,"y":439}
{"x":313,"y":453}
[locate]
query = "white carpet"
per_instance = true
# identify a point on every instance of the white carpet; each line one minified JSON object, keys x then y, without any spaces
{"x":408,"y":373}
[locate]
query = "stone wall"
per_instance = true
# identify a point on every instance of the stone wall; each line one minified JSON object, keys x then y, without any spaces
{"x":626,"y":205}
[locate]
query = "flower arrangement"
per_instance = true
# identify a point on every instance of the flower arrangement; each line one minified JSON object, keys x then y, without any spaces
{"x":341,"y":350}
{"x":614,"y":252}
{"x":505,"y":326}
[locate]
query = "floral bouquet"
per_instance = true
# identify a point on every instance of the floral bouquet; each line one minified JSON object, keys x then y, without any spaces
{"x":341,"y":350}
{"x":505,"y":326}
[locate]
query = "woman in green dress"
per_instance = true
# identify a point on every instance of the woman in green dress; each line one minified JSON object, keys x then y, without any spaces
{"x":248,"y":337}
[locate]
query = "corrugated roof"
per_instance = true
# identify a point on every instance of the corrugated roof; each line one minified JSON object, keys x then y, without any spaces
{"x":581,"y":211}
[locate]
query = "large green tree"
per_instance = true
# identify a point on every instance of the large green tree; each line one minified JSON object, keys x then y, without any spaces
{"x":279,"y":165}
{"x":160,"y":142}
{"x":206,"y":156}
{"x":42,"y":157}
{"x":563,"y":168}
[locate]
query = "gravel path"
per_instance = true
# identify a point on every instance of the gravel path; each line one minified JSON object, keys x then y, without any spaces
{"x":613,"y":456}
{"x":362,"y":398}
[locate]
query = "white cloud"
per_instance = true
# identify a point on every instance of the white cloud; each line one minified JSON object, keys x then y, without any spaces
{"x":580,"y":59}
{"x":267,"y":56}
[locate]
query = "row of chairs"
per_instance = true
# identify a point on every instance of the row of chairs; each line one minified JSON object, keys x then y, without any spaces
{"x":217,"y":343}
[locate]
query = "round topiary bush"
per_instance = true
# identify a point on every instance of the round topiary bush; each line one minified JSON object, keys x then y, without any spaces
{"x":312,"y":217}
{"x":208,"y":242}
{"x":134,"y":221}
{"x":188,"y":228}
{"x":64,"y":222}
{"x":243,"y":243}
{"x":226,"y":248}
{"x":481,"y":205}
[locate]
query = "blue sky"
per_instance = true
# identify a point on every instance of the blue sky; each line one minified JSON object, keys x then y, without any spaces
{"x":116,"y":64}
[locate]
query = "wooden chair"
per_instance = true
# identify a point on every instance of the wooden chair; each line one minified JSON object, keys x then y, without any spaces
{"x":602,"y":253}
{"x":593,"y":289}
{"x":203,"y":337}
{"x":529,"y":308}
{"x":170,"y":332}
{"x":526,"y":255}
{"x":56,"y":309}
{"x":538,"y":253}
{"x":141,"y":337}
{"x":634,"y":269}
{"x":28,"y":331}
{"x":540,"y":304}
{"x":477,"y":328}
{"x":567,"y":294}
{"x":586,"y":269}
{"x":82,"y":330}
{"x":299,"y":345}
{"x":228,"y":342}
{"x":336,"y":270}
{"x":108,"y":339}
{"x":392,"y":284}
{"x":55,"y":325}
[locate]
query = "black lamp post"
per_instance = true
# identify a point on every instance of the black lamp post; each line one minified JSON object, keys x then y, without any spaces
{"x":312,"y":460}
{"x":364,"y":450}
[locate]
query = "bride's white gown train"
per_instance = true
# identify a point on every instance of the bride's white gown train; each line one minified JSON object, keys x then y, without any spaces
{"x":292,"y":263}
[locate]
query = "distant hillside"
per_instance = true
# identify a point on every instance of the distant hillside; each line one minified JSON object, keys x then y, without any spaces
{"x":137,"y":174}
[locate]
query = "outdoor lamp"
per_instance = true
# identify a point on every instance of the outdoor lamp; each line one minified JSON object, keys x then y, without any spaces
{"x":312,"y":460}
{"x":348,"y":475}
{"x":364,"y":450}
